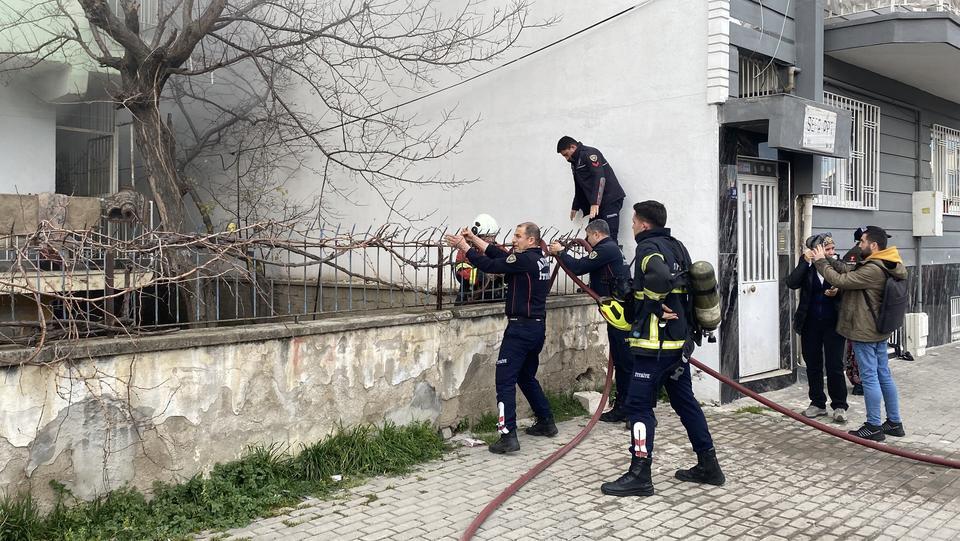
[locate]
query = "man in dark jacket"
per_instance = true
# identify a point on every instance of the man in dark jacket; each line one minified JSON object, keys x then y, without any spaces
{"x":607,"y":271}
{"x":663,"y":329}
{"x":816,"y":323}
{"x":596,"y":191}
{"x":527,"y":274}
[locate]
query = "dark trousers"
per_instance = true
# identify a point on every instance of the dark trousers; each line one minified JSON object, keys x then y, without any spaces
{"x":611,"y":215}
{"x":649,"y":374}
{"x":622,"y":364}
{"x":517,"y":365}
{"x":822,"y":346}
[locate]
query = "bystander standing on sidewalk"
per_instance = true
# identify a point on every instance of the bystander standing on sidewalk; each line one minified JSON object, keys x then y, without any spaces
{"x":816,"y":322}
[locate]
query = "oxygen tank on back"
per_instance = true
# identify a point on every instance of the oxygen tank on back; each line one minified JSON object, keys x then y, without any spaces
{"x":706,"y":298}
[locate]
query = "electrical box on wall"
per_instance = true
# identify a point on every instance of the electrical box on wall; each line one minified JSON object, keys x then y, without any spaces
{"x":927,"y":214}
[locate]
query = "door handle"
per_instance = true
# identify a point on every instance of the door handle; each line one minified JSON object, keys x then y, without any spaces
{"x":753,"y":289}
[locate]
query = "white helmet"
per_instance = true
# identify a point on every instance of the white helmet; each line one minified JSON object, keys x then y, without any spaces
{"x":484,"y":224}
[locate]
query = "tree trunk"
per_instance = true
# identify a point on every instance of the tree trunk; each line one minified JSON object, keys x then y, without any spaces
{"x":157,"y":146}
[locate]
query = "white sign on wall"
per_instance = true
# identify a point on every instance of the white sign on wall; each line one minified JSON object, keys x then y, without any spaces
{"x":819,"y":129}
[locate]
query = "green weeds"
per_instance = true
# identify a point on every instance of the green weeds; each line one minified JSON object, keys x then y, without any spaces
{"x":265,"y":479}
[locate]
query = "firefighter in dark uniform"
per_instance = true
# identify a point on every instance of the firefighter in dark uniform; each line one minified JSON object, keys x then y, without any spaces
{"x":596,"y":191}
{"x":527,"y":273}
{"x":662,"y":327}
{"x":608,"y":271}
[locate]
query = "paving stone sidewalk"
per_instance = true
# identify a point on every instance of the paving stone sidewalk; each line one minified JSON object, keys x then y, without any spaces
{"x":784,"y":481}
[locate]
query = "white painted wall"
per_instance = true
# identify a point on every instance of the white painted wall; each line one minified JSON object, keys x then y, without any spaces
{"x":635,"y":87}
{"x":28,"y":132}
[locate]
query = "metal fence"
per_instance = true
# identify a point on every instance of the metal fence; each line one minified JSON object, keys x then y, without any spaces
{"x":58,"y":284}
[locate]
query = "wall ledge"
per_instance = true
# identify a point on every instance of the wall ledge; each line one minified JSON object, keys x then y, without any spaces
{"x":195,"y":338}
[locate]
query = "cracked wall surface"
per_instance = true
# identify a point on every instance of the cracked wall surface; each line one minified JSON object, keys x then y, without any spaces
{"x":166,"y":413}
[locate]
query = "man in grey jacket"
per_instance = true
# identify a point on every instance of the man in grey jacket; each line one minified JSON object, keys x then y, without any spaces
{"x":856,"y":322}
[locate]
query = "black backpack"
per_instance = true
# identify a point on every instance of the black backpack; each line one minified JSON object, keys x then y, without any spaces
{"x":893,"y":303}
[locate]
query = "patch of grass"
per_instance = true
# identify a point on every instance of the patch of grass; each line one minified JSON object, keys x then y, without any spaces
{"x":487,"y":422}
{"x":266,"y":478}
{"x":371,"y":498}
{"x":756,"y":410}
{"x":565,"y":406}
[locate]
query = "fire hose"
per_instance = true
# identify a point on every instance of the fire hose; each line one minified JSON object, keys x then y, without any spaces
{"x":566,"y":448}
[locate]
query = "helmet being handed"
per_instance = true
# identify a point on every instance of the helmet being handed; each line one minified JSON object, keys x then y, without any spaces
{"x":484,"y":224}
{"x":612,"y":311}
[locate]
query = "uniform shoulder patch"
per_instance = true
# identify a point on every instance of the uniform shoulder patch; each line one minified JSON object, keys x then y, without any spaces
{"x":593,"y":255}
{"x":593,"y":158}
{"x":512,"y":258}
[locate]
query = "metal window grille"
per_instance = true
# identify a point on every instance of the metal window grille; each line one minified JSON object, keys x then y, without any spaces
{"x":86,"y":156}
{"x":945,"y":164}
{"x":758,"y":230}
{"x":854,"y":183}
{"x":954,"y":319}
{"x":758,"y":77}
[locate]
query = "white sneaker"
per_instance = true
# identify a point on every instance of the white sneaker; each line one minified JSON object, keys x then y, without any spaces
{"x":814,"y":411}
{"x":840,"y":415}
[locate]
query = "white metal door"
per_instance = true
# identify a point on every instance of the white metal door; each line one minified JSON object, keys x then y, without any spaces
{"x":759,"y":298}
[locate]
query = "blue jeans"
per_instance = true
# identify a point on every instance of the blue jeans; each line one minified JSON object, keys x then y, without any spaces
{"x":877,"y":381}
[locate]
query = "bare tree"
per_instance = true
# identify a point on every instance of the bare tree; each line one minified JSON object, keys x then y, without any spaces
{"x":350,"y":57}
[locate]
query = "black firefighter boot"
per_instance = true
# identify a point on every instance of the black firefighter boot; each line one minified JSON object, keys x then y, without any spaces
{"x":543,"y":427}
{"x":706,"y":471}
{"x":636,"y":482}
{"x":507,"y":443}
{"x":615,"y":415}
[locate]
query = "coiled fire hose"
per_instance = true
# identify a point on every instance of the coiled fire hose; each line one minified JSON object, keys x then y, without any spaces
{"x":559,"y":453}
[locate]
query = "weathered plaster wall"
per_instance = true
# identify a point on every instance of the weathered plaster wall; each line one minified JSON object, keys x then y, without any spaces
{"x":163,"y":408}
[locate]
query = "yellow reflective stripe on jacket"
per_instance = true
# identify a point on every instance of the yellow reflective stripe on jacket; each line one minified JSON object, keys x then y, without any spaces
{"x":473,"y":275}
{"x":641,"y":295}
{"x":462,"y":265}
{"x":654,"y":295}
{"x":653,"y":340}
{"x":646,"y":259}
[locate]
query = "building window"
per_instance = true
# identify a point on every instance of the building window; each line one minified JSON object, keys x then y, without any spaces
{"x":86,"y":159}
{"x":945,"y":165}
{"x":758,"y":77}
{"x":954,"y":319}
{"x":854,"y":183}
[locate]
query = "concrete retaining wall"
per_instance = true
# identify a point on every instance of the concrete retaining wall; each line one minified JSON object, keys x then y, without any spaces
{"x":132,"y":411}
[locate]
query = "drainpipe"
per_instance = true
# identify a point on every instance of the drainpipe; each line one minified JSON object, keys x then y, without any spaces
{"x":806,"y":219}
{"x":919,"y":240}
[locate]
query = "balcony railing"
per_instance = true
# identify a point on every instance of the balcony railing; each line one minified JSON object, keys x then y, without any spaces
{"x":840,"y":8}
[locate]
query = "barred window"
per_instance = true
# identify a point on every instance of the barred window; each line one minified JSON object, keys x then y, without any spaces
{"x":854,"y":183}
{"x":945,"y":166}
